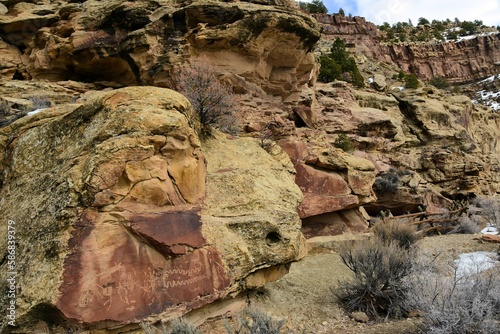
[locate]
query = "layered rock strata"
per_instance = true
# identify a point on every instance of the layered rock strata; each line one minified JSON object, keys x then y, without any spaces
{"x":463,"y":61}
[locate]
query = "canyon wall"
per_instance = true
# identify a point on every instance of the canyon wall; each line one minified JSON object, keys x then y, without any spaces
{"x":459,"y":62}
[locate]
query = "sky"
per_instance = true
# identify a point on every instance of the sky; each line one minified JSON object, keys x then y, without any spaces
{"x":392,"y":11}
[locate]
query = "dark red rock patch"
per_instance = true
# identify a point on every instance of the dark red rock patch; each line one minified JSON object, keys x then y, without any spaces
{"x":167,"y":229}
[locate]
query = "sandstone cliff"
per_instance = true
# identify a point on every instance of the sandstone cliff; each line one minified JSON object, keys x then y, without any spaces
{"x":459,"y":62}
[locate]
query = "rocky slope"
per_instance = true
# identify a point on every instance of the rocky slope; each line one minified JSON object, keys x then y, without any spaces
{"x":125,"y":215}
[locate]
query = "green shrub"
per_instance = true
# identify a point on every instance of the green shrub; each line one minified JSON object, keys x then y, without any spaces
{"x":439,"y":82}
{"x":411,"y":81}
{"x":344,"y":143}
{"x":338,"y":65}
{"x":329,"y":69}
{"x":401,"y":75}
{"x":315,"y":6}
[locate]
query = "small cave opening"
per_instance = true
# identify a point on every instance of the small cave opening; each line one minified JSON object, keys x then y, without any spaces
{"x":297,"y":120}
{"x":112,"y":69}
{"x":49,"y":313}
{"x":273,"y":238}
{"x":18,"y":76}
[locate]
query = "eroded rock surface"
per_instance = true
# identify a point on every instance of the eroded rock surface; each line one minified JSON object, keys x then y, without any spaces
{"x":266,"y":44}
{"x":121,"y":215}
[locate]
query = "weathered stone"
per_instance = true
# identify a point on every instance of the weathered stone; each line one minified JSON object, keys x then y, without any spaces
{"x":491,"y":238}
{"x":323,"y":191}
{"x":124,"y":227}
{"x":379,"y":82}
{"x":334,"y":223}
{"x":10,"y":58}
{"x":360,"y":316}
{"x":326,"y":190}
{"x":265,"y":48}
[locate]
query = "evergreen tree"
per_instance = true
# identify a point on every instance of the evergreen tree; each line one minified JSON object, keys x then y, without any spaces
{"x":316,"y":6}
{"x":338,"y":65}
{"x":411,"y":81}
{"x":423,"y":21}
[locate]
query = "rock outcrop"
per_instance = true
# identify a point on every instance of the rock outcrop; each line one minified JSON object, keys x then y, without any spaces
{"x":121,"y":214}
{"x":266,"y":44}
{"x":458,"y":62}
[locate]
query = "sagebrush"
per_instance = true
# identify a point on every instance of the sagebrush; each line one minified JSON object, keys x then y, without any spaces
{"x":488,"y":207}
{"x":177,"y":326}
{"x":255,"y":321}
{"x":401,"y":234}
{"x":390,"y":181}
{"x":376,"y":288}
{"x":457,"y":302}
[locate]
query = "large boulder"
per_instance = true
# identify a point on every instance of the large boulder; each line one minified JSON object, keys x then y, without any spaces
{"x":121,"y":214}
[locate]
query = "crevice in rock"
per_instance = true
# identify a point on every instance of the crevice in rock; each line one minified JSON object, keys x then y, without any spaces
{"x":415,"y":125}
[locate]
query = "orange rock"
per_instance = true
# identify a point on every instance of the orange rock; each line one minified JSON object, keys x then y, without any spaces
{"x":491,"y":238}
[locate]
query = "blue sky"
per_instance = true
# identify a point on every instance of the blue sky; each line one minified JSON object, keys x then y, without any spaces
{"x":380,"y":11}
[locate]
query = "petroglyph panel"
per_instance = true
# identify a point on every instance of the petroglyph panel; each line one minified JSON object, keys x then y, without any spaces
{"x":130,"y":279}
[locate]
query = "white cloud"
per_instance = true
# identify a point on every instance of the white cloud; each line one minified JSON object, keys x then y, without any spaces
{"x":392,"y":11}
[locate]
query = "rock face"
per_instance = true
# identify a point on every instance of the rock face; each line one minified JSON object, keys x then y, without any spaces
{"x":121,"y":214}
{"x":355,"y":31}
{"x":266,"y":44}
{"x":462,"y":61}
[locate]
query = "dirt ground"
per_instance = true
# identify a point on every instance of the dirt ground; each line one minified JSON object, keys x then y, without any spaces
{"x":304,"y":298}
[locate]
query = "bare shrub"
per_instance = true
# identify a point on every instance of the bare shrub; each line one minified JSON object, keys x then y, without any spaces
{"x":467,"y":224}
{"x":390,"y":181}
{"x":213,"y":101}
{"x":4,"y":107}
{"x":489,"y":207}
{"x":403,"y":235}
{"x":255,"y":321}
{"x":456,"y":303}
{"x":377,"y":287}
